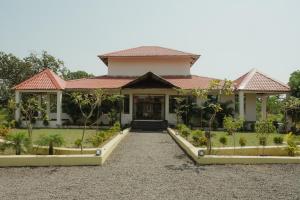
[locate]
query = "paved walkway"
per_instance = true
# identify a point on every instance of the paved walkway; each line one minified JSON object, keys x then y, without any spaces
{"x":151,"y":166}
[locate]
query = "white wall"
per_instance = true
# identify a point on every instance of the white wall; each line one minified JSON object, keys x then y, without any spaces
{"x":250,"y":107}
{"x":140,"y":66}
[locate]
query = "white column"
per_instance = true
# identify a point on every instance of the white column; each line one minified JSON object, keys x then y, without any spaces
{"x":18,"y":109}
{"x":131,"y":106}
{"x":58,"y":108}
{"x":167,"y":107}
{"x":264,"y":107}
{"x":39,"y":104}
{"x":48,"y":105}
{"x":241,"y":105}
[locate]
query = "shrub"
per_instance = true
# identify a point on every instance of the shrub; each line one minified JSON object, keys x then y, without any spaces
{"x":278,"y":140}
{"x":77,"y":143}
{"x":223,"y":140}
{"x":262,"y":140}
{"x":186,"y":132}
{"x":203,"y":141}
{"x":4,"y":131}
{"x":181,"y":127}
{"x":45,"y":121}
{"x":242,"y":141}
{"x":18,"y":141}
{"x":292,"y":146}
{"x":196,"y":135}
{"x":52,"y":140}
{"x":97,"y":139}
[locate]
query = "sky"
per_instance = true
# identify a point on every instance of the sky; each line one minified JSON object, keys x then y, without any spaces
{"x":232,"y":36}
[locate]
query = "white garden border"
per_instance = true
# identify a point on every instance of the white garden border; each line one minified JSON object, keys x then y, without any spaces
{"x":64,"y":160}
{"x":228,"y":159}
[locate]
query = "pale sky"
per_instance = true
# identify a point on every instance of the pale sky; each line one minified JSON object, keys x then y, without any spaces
{"x":232,"y":36}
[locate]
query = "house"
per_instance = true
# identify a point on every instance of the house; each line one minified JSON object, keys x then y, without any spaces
{"x":147,"y":76}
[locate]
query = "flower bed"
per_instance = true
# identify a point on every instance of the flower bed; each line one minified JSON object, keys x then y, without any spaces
{"x":248,"y":155}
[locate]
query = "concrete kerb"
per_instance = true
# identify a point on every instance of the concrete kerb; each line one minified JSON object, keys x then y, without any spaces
{"x":234,"y":159}
{"x":65,"y":160}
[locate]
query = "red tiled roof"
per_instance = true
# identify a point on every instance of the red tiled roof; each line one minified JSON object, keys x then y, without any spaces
{"x":144,"y":51}
{"x":258,"y":81}
{"x":44,"y":80}
{"x":109,"y":82}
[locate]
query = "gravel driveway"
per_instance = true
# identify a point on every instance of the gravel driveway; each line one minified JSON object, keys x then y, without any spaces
{"x":151,"y":166}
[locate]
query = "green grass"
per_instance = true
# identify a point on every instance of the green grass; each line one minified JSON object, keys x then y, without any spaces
{"x":69,"y":135}
{"x":250,"y":137}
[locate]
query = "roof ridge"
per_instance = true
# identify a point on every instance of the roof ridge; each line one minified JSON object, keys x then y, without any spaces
{"x":52,"y":77}
{"x":273,"y":79}
{"x":247,"y":78}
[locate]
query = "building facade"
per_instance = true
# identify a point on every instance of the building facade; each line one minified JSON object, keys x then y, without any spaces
{"x":148,"y":77}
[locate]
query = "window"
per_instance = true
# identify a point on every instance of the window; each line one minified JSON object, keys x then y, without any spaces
{"x":126,"y":104}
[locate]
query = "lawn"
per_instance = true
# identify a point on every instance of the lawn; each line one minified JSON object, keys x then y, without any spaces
{"x":69,"y":135}
{"x":250,"y":137}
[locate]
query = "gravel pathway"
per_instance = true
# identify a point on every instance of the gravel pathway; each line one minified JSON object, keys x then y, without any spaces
{"x":151,"y":166}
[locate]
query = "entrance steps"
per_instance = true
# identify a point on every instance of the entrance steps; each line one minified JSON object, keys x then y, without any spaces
{"x":149,"y":125}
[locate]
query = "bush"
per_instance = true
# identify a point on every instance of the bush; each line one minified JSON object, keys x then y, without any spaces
{"x":278,"y":140}
{"x":77,"y":143}
{"x":242,"y":141}
{"x":4,"y":131}
{"x":262,"y":140}
{"x":186,"y":132}
{"x":97,"y":139}
{"x":196,"y":135}
{"x":292,"y":146}
{"x":223,"y":140}
{"x":203,"y":141}
{"x":181,"y":127}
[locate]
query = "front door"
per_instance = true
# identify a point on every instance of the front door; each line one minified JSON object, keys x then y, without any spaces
{"x":148,"y":107}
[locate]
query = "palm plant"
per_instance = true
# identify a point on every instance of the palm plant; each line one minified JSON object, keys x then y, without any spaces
{"x":51,"y":141}
{"x":18,"y":141}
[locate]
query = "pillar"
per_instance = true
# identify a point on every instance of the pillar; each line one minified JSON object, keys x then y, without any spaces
{"x":18,"y":109}
{"x":167,"y":107}
{"x":264,"y":107}
{"x":48,"y":105}
{"x":131,"y":106}
{"x":58,"y":108}
{"x":241,"y":105}
{"x":40,"y":105}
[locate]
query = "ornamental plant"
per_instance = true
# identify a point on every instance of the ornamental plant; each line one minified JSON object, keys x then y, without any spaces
{"x":242,"y":141}
{"x":263,"y":128}
{"x":52,"y":140}
{"x":292,"y":146}
{"x":278,"y":140}
{"x":218,"y":88}
{"x":223,"y":140}
{"x":18,"y":141}
{"x":232,"y":125}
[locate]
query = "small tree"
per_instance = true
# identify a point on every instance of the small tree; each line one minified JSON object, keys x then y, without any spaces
{"x":290,"y":105}
{"x":29,"y":108}
{"x":52,"y":140}
{"x":232,"y":125}
{"x":263,"y":128}
{"x":115,"y":109}
{"x":218,"y":88}
{"x":87,"y":103}
{"x":18,"y":141}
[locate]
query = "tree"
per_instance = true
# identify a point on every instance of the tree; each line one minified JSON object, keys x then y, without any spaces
{"x":87,"y":103}
{"x":29,"y":108}
{"x":218,"y":88}
{"x":68,"y":75}
{"x":263,"y":128}
{"x":14,"y":70}
{"x":232,"y":125}
{"x":294,"y":83}
{"x":291,"y":106}
{"x":51,"y":141}
{"x":18,"y":141}
{"x":115,"y":101}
